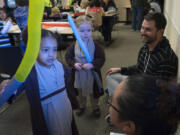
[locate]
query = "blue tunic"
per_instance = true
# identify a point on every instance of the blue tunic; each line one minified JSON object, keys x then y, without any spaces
{"x":57,"y":109}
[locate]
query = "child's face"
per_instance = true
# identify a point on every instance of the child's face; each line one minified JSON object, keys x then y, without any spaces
{"x":85,"y":31}
{"x":48,"y":51}
{"x":2,"y":15}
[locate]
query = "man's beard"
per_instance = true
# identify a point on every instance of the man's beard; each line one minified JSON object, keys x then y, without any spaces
{"x":148,"y":39}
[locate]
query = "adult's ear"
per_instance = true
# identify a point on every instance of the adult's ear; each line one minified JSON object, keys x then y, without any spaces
{"x":161,"y":31}
{"x":128,"y":127}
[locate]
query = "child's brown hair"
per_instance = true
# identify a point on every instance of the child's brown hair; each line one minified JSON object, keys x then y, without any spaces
{"x":44,"y":33}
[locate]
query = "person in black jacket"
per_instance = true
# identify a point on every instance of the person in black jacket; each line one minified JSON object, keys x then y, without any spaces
{"x":108,"y":21}
{"x":155,"y":58}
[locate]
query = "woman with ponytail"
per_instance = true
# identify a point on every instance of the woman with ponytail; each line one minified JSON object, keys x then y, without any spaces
{"x":143,"y":105}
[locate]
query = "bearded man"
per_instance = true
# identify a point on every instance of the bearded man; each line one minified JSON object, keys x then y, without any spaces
{"x":155,"y":58}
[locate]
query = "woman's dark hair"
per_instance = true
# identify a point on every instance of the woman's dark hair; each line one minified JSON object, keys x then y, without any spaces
{"x":159,"y":18}
{"x":44,"y":33}
{"x":95,"y":3}
{"x":22,"y":2}
{"x":154,"y":106}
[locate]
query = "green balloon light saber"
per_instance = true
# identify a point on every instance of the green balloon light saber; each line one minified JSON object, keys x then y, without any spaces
{"x":36,"y":9}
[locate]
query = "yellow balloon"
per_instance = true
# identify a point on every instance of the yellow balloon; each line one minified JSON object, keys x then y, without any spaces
{"x":36,"y":9}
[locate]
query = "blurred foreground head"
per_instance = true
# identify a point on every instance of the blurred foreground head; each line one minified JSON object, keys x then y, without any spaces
{"x":143,"y":105}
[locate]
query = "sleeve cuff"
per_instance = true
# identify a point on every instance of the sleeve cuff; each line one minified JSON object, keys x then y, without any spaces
{"x":123,"y":70}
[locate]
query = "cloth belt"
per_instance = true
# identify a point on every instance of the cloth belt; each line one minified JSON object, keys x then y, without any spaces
{"x":53,"y":94}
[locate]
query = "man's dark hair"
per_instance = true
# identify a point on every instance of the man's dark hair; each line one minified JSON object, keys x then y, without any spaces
{"x":159,"y":18}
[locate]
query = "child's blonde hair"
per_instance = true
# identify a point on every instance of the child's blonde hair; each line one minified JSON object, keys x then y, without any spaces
{"x":83,"y":19}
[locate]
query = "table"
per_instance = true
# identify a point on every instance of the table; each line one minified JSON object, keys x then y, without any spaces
{"x":111,"y":14}
{"x":59,"y":27}
{"x":14,"y":30}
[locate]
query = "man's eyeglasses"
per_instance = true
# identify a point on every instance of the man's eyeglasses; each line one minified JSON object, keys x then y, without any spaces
{"x":110,"y":104}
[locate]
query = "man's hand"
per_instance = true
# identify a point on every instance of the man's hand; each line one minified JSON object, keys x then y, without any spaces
{"x":113,"y":70}
{"x":78,"y":66}
{"x":3,"y":85}
{"x":87,"y":66}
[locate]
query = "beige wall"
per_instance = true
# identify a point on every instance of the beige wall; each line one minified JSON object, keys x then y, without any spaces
{"x":121,"y":4}
{"x":172,"y":13}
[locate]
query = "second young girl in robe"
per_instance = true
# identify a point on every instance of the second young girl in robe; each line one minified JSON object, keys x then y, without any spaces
{"x":84,"y":79}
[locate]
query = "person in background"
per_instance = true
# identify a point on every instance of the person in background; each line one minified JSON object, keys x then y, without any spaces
{"x":143,"y":105}
{"x":83,"y":72}
{"x":2,"y":3}
{"x":77,"y":1}
{"x":108,"y":21}
{"x":5,"y":23}
{"x":9,"y":6}
{"x":84,"y":4}
{"x":95,"y":11}
{"x":21,"y":17}
{"x":5,"y":20}
{"x":156,"y":57}
{"x":55,"y":12}
{"x":47,"y":10}
{"x":137,"y":13}
{"x":21,"y":13}
{"x":49,"y":91}
{"x":161,"y":3}
{"x":76,"y":7}
{"x":3,"y":15}
{"x":154,"y":6}
{"x":65,"y":4}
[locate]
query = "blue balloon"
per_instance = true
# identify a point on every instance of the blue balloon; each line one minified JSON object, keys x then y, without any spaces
{"x":78,"y":38}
